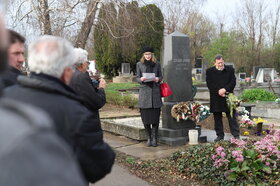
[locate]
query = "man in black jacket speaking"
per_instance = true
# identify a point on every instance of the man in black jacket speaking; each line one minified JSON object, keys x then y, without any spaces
{"x":50,"y":62}
{"x":221,"y":80}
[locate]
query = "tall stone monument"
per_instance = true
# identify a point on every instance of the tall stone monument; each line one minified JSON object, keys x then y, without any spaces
{"x":177,"y":72}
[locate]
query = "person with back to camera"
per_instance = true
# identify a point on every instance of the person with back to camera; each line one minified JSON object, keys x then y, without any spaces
{"x":51,"y":61}
{"x":31,"y":153}
{"x":93,"y":98}
{"x":220,"y":80}
{"x":149,"y":94}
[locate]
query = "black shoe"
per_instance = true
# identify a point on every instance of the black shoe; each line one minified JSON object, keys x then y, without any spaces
{"x":237,"y":137}
{"x":219,"y":138}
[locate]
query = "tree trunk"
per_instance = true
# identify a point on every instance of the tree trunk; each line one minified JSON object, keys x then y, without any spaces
{"x":45,"y":19}
{"x":87,"y":24}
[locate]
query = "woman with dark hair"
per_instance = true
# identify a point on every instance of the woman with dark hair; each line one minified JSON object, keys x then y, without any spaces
{"x":149,"y":76}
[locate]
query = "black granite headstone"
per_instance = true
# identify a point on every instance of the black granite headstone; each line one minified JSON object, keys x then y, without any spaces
{"x":177,"y":70}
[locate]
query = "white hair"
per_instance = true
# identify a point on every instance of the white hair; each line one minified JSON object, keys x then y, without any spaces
{"x":81,"y":56}
{"x":50,"y":55}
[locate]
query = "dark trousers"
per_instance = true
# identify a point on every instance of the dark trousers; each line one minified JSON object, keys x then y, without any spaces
{"x":233,"y":125}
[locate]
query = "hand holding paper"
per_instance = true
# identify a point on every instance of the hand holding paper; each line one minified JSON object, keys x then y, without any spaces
{"x":149,"y":77}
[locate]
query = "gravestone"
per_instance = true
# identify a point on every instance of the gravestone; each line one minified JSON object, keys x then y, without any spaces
{"x":241,"y":75}
{"x":198,"y":62}
{"x":125,"y":69}
{"x":231,"y":64}
{"x":266,"y":75}
{"x":203,"y":71}
{"x":177,"y":71}
{"x":256,"y":71}
{"x":124,"y":75}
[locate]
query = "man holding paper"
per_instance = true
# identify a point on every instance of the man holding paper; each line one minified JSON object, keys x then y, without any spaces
{"x":149,"y":76}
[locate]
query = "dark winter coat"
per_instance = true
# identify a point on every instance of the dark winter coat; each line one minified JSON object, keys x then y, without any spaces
{"x":93,"y":98}
{"x":216,"y":80}
{"x":31,"y":153}
{"x":73,"y":121}
{"x":149,"y":96}
{"x":9,"y":77}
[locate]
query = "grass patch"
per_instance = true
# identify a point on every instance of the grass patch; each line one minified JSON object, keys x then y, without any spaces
{"x":114,"y":87}
{"x":115,"y":97}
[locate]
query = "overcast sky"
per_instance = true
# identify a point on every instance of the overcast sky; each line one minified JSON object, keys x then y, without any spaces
{"x":214,"y":8}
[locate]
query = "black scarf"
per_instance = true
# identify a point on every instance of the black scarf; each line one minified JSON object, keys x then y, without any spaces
{"x":149,"y":69}
{"x":149,"y":66}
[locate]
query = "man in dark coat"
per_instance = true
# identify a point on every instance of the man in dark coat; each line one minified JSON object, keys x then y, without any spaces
{"x":31,"y":153}
{"x":221,"y":80}
{"x":94,"y":98}
{"x":50,"y":61}
{"x":16,"y":58}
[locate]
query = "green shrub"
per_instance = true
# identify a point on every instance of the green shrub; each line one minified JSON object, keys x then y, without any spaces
{"x":116,"y":98}
{"x":129,"y":101}
{"x":253,"y":95}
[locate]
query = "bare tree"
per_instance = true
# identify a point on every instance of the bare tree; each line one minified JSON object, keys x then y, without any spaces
{"x":176,"y":11}
{"x":200,"y":30}
{"x":44,"y":16}
{"x":275,"y":16}
{"x":87,"y":24}
{"x":252,"y":21}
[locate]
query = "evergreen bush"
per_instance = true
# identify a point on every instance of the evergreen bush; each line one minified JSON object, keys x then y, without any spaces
{"x":257,"y":94}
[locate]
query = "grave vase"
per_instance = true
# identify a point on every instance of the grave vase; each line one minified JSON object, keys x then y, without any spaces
{"x":193,"y":137}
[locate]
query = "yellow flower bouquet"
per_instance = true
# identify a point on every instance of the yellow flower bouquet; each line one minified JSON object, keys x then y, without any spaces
{"x":259,"y":120}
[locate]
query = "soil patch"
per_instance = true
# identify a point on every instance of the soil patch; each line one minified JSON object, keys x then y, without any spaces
{"x":114,"y":111}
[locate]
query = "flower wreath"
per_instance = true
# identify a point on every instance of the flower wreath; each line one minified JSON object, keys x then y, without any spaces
{"x":190,"y":111}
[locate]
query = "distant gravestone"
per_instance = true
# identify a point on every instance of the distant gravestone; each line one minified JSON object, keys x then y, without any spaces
{"x":125,"y":69}
{"x":177,"y":70}
{"x":266,"y":75}
{"x":241,"y":75}
{"x":256,"y":71}
{"x":203,"y":70}
{"x":124,"y":75}
{"x":231,"y":64}
{"x":198,"y":62}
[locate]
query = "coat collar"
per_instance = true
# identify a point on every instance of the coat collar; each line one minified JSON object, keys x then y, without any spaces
{"x":49,"y":84}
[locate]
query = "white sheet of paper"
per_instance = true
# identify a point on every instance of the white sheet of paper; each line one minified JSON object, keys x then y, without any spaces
{"x":149,"y":76}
